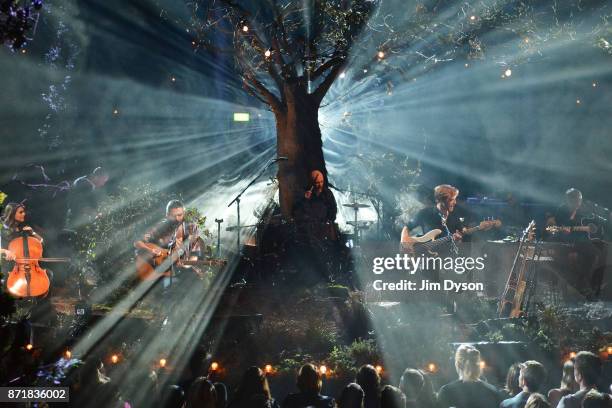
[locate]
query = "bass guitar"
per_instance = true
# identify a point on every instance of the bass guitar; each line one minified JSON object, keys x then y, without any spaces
{"x":427,"y":243}
{"x":590,"y":228}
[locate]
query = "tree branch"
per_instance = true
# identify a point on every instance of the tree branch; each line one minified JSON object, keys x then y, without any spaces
{"x":319,"y":94}
{"x":269,"y":97}
{"x":324,"y":67}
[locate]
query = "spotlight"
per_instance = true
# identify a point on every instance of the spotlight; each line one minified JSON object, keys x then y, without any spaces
{"x":23,"y":51}
{"x":268,"y":368}
{"x":162,"y":362}
{"x":432,"y":368}
{"x":114,"y":359}
{"x":483,"y":364}
{"x":526,"y":40}
{"x":68,"y":354}
{"x":29,"y":346}
{"x":467,"y":65}
{"x":193,"y":43}
{"x":594,"y":84}
{"x":577,"y":103}
{"x":115,"y":111}
{"x":214,"y":366}
{"x":508,"y":72}
{"x":472,"y":18}
{"x":365,"y":71}
{"x":323,"y":370}
{"x":379,"y":369}
{"x":245,"y":28}
{"x":380,"y":55}
{"x":573,"y":353}
{"x":268,"y":53}
{"x":609,"y":349}
{"x":342,"y":75}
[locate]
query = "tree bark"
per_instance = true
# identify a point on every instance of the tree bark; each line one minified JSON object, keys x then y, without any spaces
{"x":299,"y":139}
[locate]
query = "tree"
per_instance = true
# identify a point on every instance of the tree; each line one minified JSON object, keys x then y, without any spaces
{"x":288,"y":53}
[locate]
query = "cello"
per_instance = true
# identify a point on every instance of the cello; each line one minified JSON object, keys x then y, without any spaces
{"x":28,"y":278}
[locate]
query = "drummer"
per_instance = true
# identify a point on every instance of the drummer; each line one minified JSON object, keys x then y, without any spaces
{"x":318,"y":203}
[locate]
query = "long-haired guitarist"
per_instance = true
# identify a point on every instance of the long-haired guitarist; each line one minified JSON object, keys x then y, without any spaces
{"x":440,"y":216}
{"x":172,"y":235}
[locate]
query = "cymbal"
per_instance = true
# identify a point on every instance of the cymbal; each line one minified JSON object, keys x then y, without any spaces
{"x":360,"y":224}
{"x":356,"y":205}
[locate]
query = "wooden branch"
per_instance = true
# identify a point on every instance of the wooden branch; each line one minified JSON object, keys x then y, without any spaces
{"x":319,"y":94}
{"x":270,"y":98}
{"x":324,"y":67}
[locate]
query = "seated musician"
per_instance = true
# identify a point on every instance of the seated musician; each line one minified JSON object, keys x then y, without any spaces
{"x":172,"y":233}
{"x":318,"y":203}
{"x":440,"y":216}
{"x":14,"y":225}
{"x":586,"y":257}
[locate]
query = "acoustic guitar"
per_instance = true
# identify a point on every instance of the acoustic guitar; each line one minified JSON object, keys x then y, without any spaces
{"x":149,"y":266}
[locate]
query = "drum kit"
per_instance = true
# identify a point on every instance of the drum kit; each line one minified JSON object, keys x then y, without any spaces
{"x":357,"y":225}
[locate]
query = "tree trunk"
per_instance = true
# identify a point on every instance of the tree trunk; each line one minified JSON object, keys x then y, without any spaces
{"x":299,"y":139}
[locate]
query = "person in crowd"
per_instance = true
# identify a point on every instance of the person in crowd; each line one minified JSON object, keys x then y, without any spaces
{"x":417,"y":388}
{"x":568,"y":385}
{"x":201,"y":394}
{"x":469,"y":391}
{"x":351,"y":397}
{"x":587,"y":370}
{"x":512,"y":380}
{"x":594,"y":399}
{"x":392,"y":397}
{"x":531,"y":377}
{"x":309,"y":383}
{"x":537,"y":400}
{"x":253,"y":391}
{"x":369,"y":380}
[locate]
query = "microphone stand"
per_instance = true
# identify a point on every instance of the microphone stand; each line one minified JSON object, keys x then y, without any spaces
{"x":236,"y":200}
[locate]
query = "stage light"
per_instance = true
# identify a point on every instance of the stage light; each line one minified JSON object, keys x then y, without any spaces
{"x":23,"y":51}
{"x":578,"y":101}
{"x":342,"y":75}
{"x":380,"y":55}
{"x":365,"y":71}
{"x":432,"y":368}
{"x":214,"y":366}
{"x":594,"y":84}
{"x":379,"y":369}
{"x":68,"y":354}
{"x":268,"y":368}
{"x":162,"y":362}
{"x":467,"y":65}
{"x":114,"y":359}
{"x":193,"y":43}
{"x":323,"y":370}
{"x":508,"y":72}
{"x":526,"y":40}
{"x":572,"y":354}
{"x":241,"y":117}
{"x":609,"y":349}
{"x":115,"y":111}
{"x":173,"y":79}
{"x":483,"y":364}
{"x":245,"y":28}
{"x":29,"y":346}
{"x":268,"y":53}
{"x":472,"y":18}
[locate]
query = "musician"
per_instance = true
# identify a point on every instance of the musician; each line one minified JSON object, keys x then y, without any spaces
{"x":586,"y":259}
{"x":14,"y":225}
{"x":440,"y":216}
{"x":318,"y":203}
{"x":175,"y":234}
{"x":568,"y":215}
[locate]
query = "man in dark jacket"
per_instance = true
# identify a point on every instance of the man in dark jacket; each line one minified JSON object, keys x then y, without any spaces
{"x":531,"y":378}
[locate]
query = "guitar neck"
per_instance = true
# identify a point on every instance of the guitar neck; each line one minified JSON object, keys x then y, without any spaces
{"x":448,"y":238}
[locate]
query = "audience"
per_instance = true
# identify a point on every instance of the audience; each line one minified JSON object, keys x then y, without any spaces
{"x":568,"y":385}
{"x":369,"y":380}
{"x":201,"y":394}
{"x":594,"y":399}
{"x":417,"y":388}
{"x":469,"y":391}
{"x":531,"y":377}
{"x":537,"y":400}
{"x":351,"y":397}
{"x":587,"y":369}
{"x":309,"y":383}
{"x":392,"y":397}
{"x":253,"y":391}
{"x":512,"y":380}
